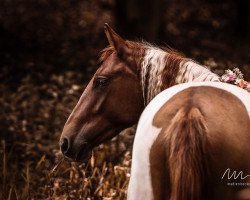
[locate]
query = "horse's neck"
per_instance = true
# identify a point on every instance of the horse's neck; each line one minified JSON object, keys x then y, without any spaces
{"x":190,"y":71}
{"x":160,"y":70}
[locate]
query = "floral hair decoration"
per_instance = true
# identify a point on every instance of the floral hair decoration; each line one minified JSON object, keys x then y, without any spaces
{"x":235,"y":77}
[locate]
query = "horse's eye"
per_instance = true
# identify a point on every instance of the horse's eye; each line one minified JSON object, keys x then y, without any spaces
{"x":100,"y":82}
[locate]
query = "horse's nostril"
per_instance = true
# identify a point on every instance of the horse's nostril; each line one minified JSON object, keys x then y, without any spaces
{"x":65,"y":145}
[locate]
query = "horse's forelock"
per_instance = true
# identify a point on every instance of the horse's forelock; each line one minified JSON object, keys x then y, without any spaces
{"x":133,"y":54}
{"x":105,"y":53}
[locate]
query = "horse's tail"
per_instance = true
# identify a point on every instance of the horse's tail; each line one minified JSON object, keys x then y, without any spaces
{"x":186,"y":138}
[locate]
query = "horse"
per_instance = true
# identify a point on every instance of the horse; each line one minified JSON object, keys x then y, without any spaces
{"x":187,"y":129}
{"x":131,"y":74}
{"x":192,"y":143}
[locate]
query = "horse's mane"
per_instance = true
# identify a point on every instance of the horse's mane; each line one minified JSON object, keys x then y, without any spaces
{"x":166,"y":61}
{"x":161,"y":67}
{"x":106,"y":52}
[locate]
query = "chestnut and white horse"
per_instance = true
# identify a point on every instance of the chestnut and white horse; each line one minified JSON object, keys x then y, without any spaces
{"x":130,"y":76}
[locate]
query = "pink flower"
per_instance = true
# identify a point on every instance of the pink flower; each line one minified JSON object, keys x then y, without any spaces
{"x":231,"y":77}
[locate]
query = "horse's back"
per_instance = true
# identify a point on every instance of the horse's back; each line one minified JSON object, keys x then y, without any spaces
{"x":225,"y":115}
{"x":165,"y":95}
{"x":225,"y":109}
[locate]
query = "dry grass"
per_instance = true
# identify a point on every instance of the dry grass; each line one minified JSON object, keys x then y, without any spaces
{"x":104,"y":176}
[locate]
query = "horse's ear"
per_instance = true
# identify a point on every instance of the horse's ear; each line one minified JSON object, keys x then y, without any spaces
{"x":122,"y":47}
{"x":114,"y":39}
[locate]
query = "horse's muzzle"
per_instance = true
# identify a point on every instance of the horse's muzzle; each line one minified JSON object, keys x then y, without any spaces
{"x":76,"y":152}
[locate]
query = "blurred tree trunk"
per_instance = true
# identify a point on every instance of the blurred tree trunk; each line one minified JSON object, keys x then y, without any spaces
{"x":143,"y":18}
{"x":243,"y":17}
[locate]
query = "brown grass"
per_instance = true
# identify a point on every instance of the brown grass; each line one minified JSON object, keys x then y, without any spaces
{"x":104,"y":176}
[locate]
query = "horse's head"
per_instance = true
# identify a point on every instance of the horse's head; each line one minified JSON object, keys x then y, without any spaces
{"x":111,"y":102}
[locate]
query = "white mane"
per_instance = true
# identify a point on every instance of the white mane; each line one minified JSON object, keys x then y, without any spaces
{"x":152,"y":66}
{"x":156,"y":61}
{"x":191,"y":71}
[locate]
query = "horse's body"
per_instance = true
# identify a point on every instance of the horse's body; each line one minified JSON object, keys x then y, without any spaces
{"x":218,"y":115}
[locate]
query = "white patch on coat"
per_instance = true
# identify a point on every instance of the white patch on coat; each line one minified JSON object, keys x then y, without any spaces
{"x":140,"y":185}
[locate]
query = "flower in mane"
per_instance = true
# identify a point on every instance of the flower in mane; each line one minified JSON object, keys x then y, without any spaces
{"x":235,"y":77}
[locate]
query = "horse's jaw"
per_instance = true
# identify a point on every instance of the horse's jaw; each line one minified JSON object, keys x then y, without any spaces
{"x":85,"y":145}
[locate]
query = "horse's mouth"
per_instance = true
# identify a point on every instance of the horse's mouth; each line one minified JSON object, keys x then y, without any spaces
{"x":84,"y":153}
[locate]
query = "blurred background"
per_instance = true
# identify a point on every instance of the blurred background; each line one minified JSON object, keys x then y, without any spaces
{"x":48,"y":52}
